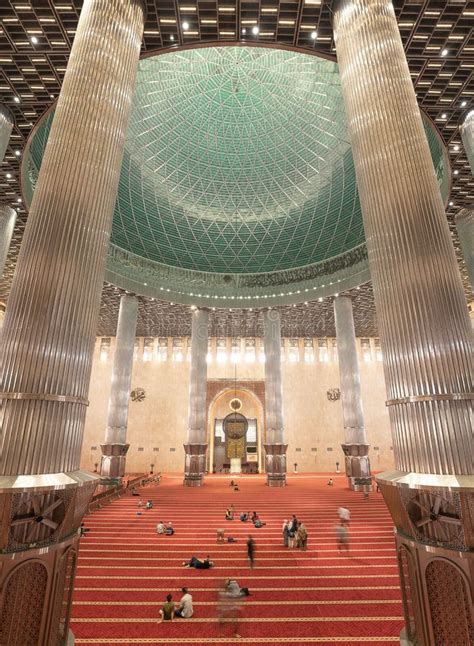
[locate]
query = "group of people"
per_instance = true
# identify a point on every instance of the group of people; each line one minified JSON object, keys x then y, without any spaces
{"x":295,"y":534}
{"x":184,"y":609}
{"x":244,"y":516}
{"x":165,"y":528}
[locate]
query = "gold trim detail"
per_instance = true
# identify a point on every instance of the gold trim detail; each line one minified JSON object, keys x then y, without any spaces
{"x":430,"y":398}
{"x":68,"y":399}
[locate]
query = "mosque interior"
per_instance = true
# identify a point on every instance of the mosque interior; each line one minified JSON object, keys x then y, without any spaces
{"x":237,"y":240}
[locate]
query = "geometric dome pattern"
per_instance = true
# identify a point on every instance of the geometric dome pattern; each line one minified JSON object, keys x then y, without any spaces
{"x":237,"y":161}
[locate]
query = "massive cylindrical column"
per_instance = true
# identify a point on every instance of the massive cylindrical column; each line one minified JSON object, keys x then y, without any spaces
{"x":355,"y":445}
{"x":465,"y":227}
{"x":275,"y":447}
{"x":467,"y":136}
{"x":196,"y":445}
{"x":115,"y":447}
{"x":423,"y":322}
{"x":49,"y":331}
{"x":7,"y":225}
{"x":6,"y":127}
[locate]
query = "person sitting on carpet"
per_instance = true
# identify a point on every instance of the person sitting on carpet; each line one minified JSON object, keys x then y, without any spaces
{"x":229,"y":513}
{"x":330,"y":482}
{"x":234,"y":590}
{"x":198,"y":564}
{"x":244,"y":517}
{"x":169,"y":530}
{"x":185,"y":608}
{"x":256,"y":520}
{"x":168,"y":610}
{"x":160,"y":528}
{"x":149,"y":504}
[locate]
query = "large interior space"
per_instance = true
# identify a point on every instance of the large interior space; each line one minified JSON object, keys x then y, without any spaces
{"x":236,"y":322}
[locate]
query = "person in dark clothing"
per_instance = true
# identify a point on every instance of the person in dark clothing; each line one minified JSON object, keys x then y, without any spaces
{"x":198,"y":564}
{"x":251,"y":551}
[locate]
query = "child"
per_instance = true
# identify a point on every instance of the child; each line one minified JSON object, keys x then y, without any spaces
{"x":167,"y":612}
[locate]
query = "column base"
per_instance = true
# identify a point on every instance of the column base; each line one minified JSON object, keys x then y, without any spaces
{"x":357,"y":466}
{"x":275,"y":464}
{"x":434,"y":541}
{"x":404,"y":641}
{"x":195,"y":464}
{"x":40,"y":518}
{"x":112,"y":464}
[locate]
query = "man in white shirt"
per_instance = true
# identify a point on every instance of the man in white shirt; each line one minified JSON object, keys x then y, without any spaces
{"x":185,"y":608}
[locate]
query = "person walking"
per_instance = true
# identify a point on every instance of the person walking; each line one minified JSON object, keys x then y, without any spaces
{"x":251,"y":551}
{"x":286,"y":533}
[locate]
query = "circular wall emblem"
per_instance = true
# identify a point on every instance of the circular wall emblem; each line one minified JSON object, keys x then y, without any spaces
{"x":235,"y":426}
{"x":235,"y":404}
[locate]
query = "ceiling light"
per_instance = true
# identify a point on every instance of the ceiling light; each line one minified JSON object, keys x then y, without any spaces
{"x":444,"y":115}
{"x":8,"y":175}
{"x":19,"y":200}
{"x":463,"y":104}
{"x":456,"y":172}
{"x":185,"y":26}
{"x":226,"y":9}
{"x":171,"y":37}
{"x":320,"y":299}
{"x":444,"y":52}
{"x":17,"y":153}
{"x":52,"y":96}
{"x":244,"y":31}
{"x":255,"y":30}
{"x":456,"y":148}
{"x":16,"y":99}
{"x":451,"y":204}
{"x":314,"y":35}
{"x":34,"y":40}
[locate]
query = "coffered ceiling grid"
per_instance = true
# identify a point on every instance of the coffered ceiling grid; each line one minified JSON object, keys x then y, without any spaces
{"x":33,"y":73}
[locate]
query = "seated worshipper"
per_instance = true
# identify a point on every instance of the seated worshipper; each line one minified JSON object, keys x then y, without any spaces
{"x":140,"y":503}
{"x":234,"y":590}
{"x":185,"y":608}
{"x":169,"y":529}
{"x":256,"y":520}
{"x":149,"y":504}
{"x":229,"y":513}
{"x":244,"y":517}
{"x":232,"y":483}
{"x":198,"y":564}
{"x":168,"y":610}
{"x":160,"y":528}
{"x":330,"y":482}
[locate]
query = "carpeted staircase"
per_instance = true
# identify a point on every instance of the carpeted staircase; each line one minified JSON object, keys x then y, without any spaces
{"x":316,"y":597}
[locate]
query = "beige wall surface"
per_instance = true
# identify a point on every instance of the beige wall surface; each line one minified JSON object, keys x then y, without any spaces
{"x":313,"y":424}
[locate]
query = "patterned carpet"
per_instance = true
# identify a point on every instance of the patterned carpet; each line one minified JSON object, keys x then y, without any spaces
{"x":316,"y":597}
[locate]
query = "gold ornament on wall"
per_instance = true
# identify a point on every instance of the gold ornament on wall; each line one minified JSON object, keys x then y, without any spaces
{"x":235,"y":404}
{"x":138,"y":395}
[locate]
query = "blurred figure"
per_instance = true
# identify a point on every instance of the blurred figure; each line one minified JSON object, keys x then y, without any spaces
{"x":251,"y":551}
{"x":286,"y":533}
{"x":167,"y":612}
{"x":302,"y":537}
{"x":229,"y":609}
{"x":344,"y":515}
{"x":342,"y":537}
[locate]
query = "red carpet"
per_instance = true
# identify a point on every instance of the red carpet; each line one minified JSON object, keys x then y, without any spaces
{"x":315,"y":597}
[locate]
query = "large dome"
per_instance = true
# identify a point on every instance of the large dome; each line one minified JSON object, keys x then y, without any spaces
{"x":237,"y":161}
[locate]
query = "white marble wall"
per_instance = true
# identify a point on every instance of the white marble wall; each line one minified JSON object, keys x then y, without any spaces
{"x":311,"y":420}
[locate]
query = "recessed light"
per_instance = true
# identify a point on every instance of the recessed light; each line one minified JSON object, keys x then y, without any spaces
{"x":244,"y":31}
{"x":314,"y":35}
{"x":320,"y":299}
{"x":451,"y":204}
{"x":8,"y":175}
{"x":19,"y":200}
{"x":171,"y":37}
{"x":444,"y":52}
{"x":463,"y":104}
{"x":185,"y":26}
{"x":255,"y":30}
{"x":17,"y":153}
{"x":34,"y":40}
{"x":16,"y":99}
{"x":444,"y":115}
{"x":456,"y":148}
{"x":456,"y":172}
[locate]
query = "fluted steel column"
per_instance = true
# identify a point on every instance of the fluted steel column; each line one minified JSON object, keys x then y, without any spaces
{"x":115,"y":447}
{"x":424,"y":326}
{"x":49,"y":331}
{"x":467,"y":136}
{"x":355,"y":445}
{"x":6,"y":127}
{"x":196,"y":446}
{"x":465,"y":227}
{"x":7,"y":225}
{"x":275,"y":447}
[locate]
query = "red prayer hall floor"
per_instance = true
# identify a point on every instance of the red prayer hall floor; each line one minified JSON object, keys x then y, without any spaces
{"x":125,"y":569}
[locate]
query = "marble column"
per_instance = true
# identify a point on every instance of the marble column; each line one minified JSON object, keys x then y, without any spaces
{"x":7,"y":225}
{"x":467,"y":136}
{"x":275,"y":447}
{"x":423,"y":322}
{"x":6,"y":127}
{"x":465,"y":227}
{"x":196,"y":446}
{"x":50,"y":326}
{"x":115,"y":448}
{"x":355,"y":447}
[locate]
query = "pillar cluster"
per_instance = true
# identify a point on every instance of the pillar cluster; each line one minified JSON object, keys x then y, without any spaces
{"x":424,"y":326}
{"x":50,"y":325}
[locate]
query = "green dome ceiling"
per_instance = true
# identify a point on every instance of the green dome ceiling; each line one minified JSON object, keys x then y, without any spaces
{"x":237,"y":161}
